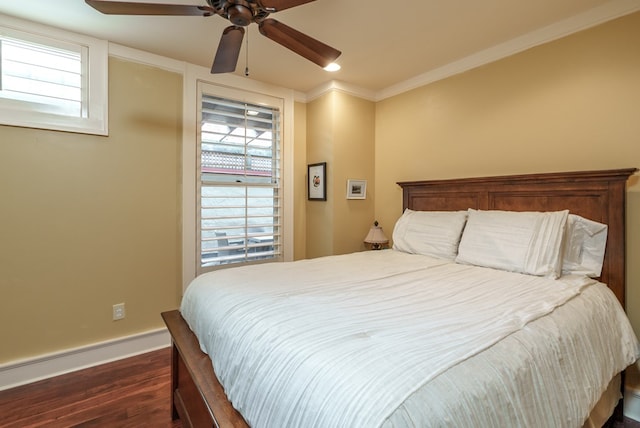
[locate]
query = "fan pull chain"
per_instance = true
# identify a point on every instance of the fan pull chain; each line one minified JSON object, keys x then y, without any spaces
{"x":246,"y":68}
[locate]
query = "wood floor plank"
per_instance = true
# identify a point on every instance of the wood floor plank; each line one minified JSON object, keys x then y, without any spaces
{"x":134,"y":392}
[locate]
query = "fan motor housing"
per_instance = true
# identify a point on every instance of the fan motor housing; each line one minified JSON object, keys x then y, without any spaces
{"x":239,"y":15}
{"x":239,"y":12}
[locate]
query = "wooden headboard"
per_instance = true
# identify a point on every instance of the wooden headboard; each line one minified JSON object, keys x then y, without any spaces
{"x":597,"y":195}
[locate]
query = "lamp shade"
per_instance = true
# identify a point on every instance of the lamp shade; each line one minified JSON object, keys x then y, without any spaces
{"x":376,"y":235}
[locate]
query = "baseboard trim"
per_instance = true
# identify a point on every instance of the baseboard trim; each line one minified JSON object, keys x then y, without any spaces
{"x":632,"y":403}
{"x":30,"y":370}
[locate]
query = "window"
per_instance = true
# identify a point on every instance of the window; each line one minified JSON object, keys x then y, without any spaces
{"x":240,"y":186}
{"x":52,"y":81}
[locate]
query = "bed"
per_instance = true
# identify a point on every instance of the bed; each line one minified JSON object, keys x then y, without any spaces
{"x":439,"y":394}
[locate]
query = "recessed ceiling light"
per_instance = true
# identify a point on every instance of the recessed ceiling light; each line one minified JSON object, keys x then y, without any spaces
{"x":332,"y":67}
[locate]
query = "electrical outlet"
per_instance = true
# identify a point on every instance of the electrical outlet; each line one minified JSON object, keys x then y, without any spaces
{"x":118,"y":311}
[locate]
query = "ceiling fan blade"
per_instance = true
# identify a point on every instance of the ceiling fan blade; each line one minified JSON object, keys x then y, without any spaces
{"x":308,"y":47}
{"x":128,"y":8}
{"x":278,"y":5}
{"x":228,"y":50}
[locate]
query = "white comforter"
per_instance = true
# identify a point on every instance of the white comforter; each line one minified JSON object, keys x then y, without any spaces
{"x":362,"y":340}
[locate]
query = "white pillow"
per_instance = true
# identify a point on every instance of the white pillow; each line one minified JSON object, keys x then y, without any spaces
{"x":525,"y":242}
{"x":584,"y":246}
{"x":431,"y":233}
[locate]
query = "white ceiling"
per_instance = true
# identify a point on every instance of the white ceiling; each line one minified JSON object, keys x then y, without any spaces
{"x":384,"y":44}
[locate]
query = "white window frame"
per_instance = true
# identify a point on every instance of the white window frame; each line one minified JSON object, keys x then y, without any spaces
{"x":25,"y":114}
{"x":229,"y":85}
{"x":245,"y":256}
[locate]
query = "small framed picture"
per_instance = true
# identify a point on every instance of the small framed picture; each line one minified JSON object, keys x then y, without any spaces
{"x":356,"y":189}
{"x":316,"y":181}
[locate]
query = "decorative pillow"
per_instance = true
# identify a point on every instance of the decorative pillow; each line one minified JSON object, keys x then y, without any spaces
{"x":431,"y":233}
{"x":525,"y":242}
{"x":584,"y":246}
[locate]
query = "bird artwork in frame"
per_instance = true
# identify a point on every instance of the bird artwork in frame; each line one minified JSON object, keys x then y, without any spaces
{"x":316,"y":181}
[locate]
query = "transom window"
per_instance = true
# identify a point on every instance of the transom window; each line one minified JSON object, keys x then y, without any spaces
{"x":50,"y":77}
{"x":52,"y":82}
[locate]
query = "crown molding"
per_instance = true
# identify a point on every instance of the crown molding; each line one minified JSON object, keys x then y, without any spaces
{"x":591,"y":18}
{"x":146,"y":58}
{"x":299,"y":97}
{"x":336,"y":85}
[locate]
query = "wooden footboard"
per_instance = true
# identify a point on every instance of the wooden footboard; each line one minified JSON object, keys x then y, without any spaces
{"x":198,"y":398}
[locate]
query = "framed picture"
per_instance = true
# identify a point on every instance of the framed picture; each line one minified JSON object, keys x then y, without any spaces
{"x":316,"y":181}
{"x":356,"y":189}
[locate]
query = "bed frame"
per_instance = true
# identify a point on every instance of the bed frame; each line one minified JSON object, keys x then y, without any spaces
{"x":199,"y":399}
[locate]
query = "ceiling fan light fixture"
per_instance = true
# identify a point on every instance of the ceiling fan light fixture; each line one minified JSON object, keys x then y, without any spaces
{"x":332,"y":67}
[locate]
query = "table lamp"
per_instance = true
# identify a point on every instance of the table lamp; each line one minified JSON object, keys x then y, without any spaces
{"x":376,"y":237}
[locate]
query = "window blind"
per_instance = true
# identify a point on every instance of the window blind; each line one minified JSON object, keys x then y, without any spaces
{"x":47,"y":76}
{"x":240,"y":186}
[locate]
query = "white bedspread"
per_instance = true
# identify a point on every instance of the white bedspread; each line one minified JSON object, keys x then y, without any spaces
{"x":361,"y":340}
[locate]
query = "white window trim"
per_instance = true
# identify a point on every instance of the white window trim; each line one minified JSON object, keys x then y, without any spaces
{"x":97,"y":120}
{"x":228,"y":82}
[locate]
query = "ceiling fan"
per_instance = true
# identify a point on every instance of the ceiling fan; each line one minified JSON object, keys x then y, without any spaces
{"x":241,"y":13}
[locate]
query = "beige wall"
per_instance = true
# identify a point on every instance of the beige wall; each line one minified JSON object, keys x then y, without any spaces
{"x":320,"y":147}
{"x":340,"y":132}
{"x":354,"y":158}
{"x":90,"y":221}
{"x":300,"y":186}
{"x":572,"y":104}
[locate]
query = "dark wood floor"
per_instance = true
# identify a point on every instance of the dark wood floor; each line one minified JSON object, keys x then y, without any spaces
{"x":628,"y":423}
{"x":134,"y":392}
